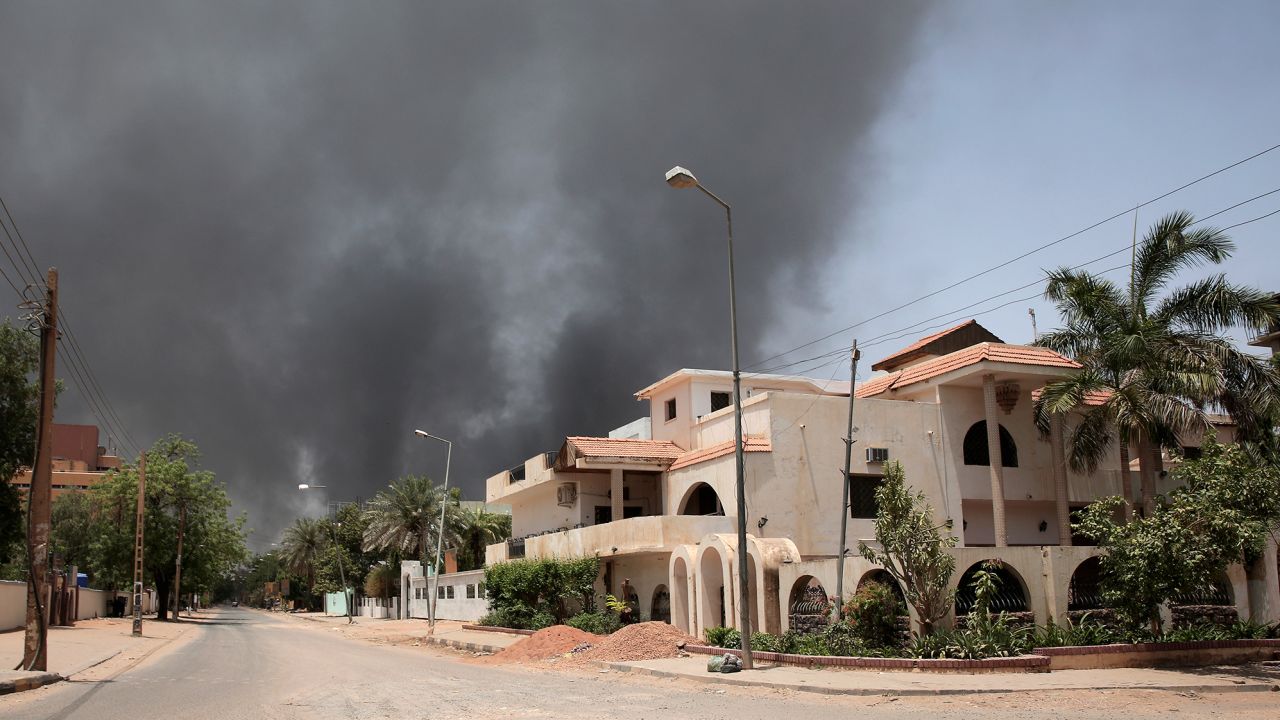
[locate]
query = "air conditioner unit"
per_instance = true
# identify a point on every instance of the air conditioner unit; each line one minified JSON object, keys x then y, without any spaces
{"x":567,"y":494}
{"x":877,"y":455}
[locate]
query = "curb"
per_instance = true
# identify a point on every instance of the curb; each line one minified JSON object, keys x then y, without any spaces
{"x":29,"y":683}
{"x":713,"y":678}
{"x":95,"y":663}
{"x":460,"y":645}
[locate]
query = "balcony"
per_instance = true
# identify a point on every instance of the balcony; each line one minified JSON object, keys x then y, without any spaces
{"x":651,"y":534}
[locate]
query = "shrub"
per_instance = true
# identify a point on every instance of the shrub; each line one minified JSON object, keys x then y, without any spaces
{"x":723,"y":637}
{"x":540,"y":620}
{"x":811,"y":644}
{"x":767,"y":642}
{"x":500,"y":618}
{"x":993,"y":637}
{"x":596,"y":622}
{"x":874,"y":610}
{"x":524,"y":591}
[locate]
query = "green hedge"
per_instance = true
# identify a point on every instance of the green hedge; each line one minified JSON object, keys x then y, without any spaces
{"x":533,"y":594}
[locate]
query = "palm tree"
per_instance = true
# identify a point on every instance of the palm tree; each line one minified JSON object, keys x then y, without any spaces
{"x":479,"y":528}
{"x":302,"y":546}
{"x":405,"y":518}
{"x":1155,"y":366}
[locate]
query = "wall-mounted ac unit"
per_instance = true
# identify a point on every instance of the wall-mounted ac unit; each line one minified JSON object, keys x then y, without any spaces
{"x":877,"y":455}
{"x":567,"y":494}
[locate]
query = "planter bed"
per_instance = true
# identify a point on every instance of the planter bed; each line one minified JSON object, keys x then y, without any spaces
{"x":490,"y":628}
{"x":1198,"y":653}
{"x":1024,"y":663}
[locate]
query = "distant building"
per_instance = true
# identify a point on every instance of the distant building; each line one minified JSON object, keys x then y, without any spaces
{"x":1269,"y":339}
{"x":79,"y":462}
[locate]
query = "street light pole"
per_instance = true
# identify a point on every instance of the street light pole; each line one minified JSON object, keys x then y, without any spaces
{"x":444,"y":503}
{"x":679,"y":177}
{"x":342,"y":573}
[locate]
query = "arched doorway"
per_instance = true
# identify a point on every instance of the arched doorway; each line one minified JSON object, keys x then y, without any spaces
{"x":680,"y":610}
{"x":1085,"y":589}
{"x":701,"y":499}
{"x":712,"y":602}
{"x":660,"y":607}
{"x":1010,"y":595}
{"x":884,"y":578}
{"x":1213,"y":603}
{"x":808,"y":607}
{"x":976,"y":451}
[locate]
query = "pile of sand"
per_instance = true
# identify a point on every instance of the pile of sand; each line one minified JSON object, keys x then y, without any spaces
{"x":546,"y":643}
{"x":642,"y":641}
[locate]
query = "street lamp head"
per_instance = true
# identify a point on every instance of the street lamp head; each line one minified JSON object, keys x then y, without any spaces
{"x":678,"y":177}
{"x":422,"y":433}
{"x":303,"y":486}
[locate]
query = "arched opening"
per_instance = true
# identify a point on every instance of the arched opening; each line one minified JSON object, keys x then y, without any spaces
{"x":680,"y":597}
{"x":701,"y":499}
{"x":660,"y":607}
{"x":807,"y":605}
{"x":884,"y":578}
{"x":976,"y":450}
{"x":1010,"y":594}
{"x":1213,"y":603}
{"x":711,"y":610}
{"x":1085,"y":590}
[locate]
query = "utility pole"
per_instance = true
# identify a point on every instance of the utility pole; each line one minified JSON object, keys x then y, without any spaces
{"x":140,"y":524}
{"x":848,"y":462}
{"x":35,"y":648}
{"x":177,"y":570}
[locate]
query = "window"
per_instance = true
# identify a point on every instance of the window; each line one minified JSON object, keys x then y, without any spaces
{"x":975,"y":446}
{"x":1192,"y":453}
{"x":480,"y":590}
{"x":720,"y":400}
{"x":448,"y":592}
{"x":862,"y":495}
{"x":671,"y":409}
{"x":439,"y":592}
{"x":471,"y":592}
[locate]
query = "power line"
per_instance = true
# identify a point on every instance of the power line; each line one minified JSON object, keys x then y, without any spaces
{"x":35,"y":267}
{"x":121,"y":430}
{"x":1024,"y":255}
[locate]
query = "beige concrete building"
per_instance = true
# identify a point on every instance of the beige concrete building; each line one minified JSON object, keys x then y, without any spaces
{"x":654,"y":508}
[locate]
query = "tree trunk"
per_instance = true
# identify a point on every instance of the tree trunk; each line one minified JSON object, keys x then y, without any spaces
{"x":162,"y":601}
{"x":1147,"y":453}
{"x":1126,"y":480}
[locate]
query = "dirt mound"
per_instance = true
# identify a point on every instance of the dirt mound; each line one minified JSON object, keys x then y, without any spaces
{"x":642,"y":641}
{"x":548,"y":642}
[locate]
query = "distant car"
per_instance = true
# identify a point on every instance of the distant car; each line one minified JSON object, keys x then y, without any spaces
{"x":235,"y":603}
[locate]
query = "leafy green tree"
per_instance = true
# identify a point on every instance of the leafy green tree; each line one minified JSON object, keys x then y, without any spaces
{"x":1153,"y":366}
{"x":347,"y":527}
{"x":912,"y":549}
{"x":1222,"y":514}
{"x":19,"y":404}
{"x":73,"y":527}
{"x":479,"y":529}
{"x":303,"y":546}
{"x":404,"y":518}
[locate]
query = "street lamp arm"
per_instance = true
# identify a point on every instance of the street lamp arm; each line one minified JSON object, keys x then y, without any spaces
{"x":713,"y":196}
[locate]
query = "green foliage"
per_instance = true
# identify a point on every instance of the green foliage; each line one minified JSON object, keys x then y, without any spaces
{"x":1222,"y":514}
{"x":723,"y":637}
{"x":873,"y":611}
{"x":477,"y":529}
{"x":598,"y":623}
{"x":1085,"y":631}
{"x":993,"y":637}
{"x":404,"y":518}
{"x":911,"y":548}
{"x":19,"y":401}
{"x":382,"y":581}
{"x":524,"y":592}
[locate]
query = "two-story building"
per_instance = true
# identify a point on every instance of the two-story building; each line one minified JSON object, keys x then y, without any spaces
{"x":657,"y":506}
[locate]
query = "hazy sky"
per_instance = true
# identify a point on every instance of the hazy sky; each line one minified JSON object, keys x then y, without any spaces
{"x":295,"y":231}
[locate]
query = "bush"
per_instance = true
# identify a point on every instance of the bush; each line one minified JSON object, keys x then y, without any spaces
{"x":723,"y":637}
{"x":874,"y":611}
{"x":500,"y":618}
{"x":526,"y":593}
{"x":767,"y":642}
{"x":596,"y":623}
{"x":988,"y":638}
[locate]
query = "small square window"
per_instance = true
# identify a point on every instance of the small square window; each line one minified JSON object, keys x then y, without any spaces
{"x":720,"y":400}
{"x":471,"y":592}
{"x":480,"y":590}
{"x":862,"y":495}
{"x":439,"y":592}
{"x":671,"y":409}
{"x":448,"y":592}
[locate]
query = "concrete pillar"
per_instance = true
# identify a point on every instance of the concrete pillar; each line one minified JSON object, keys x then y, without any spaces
{"x":615,"y":494}
{"x":1264,"y":587}
{"x":1060,"y":479}
{"x":993,"y":456}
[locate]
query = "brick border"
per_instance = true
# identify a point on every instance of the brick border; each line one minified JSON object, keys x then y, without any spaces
{"x":1155,"y":647}
{"x":1022,"y":663}
{"x":493,"y":628}
{"x":31,"y":682}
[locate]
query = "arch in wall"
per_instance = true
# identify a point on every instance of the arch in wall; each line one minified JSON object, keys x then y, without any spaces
{"x":884,"y":578}
{"x":701,"y":499}
{"x":1084,"y":592}
{"x":807,"y":596}
{"x":660,"y":605}
{"x":976,"y":451}
{"x":715,"y":607}
{"x":1011,"y":592}
{"x":683,"y":584}
{"x":1217,"y":592}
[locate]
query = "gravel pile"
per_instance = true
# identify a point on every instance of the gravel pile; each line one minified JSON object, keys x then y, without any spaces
{"x":546,"y":643}
{"x":642,"y":641}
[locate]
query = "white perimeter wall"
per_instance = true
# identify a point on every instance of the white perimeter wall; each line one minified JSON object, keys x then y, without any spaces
{"x":13,"y":604}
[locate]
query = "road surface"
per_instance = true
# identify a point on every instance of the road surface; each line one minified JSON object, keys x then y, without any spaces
{"x":243,"y":664}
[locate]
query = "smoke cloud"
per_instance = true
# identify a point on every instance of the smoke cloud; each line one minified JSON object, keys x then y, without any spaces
{"x":295,"y":231}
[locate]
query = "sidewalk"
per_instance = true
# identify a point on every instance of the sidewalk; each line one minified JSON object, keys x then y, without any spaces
{"x":72,"y":650}
{"x":413,"y":631}
{"x":1261,"y":678}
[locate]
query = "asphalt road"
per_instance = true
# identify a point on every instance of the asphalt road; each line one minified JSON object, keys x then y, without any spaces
{"x":247,"y":664}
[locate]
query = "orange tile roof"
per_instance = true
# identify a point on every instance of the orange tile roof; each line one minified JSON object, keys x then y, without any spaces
{"x":994,"y":352}
{"x":749,"y":444}
{"x":594,"y":447}
{"x":925,"y":341}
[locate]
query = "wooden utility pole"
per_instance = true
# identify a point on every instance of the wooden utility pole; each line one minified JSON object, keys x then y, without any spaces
{"x":140,"y":524}
{"x":848,"y":462}
{"x":177,"y":570}
{"x":35,"y":648}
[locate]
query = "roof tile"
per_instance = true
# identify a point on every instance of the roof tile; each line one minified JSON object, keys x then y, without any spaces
{"x":995,"y":352}
{"x":749,"y":444}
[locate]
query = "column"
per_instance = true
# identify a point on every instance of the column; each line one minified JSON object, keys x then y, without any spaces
{"x":1060,"y":479}
{"x":1263,"y":588}
{"x":615,"y":494}
{"x":993,"y":456}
